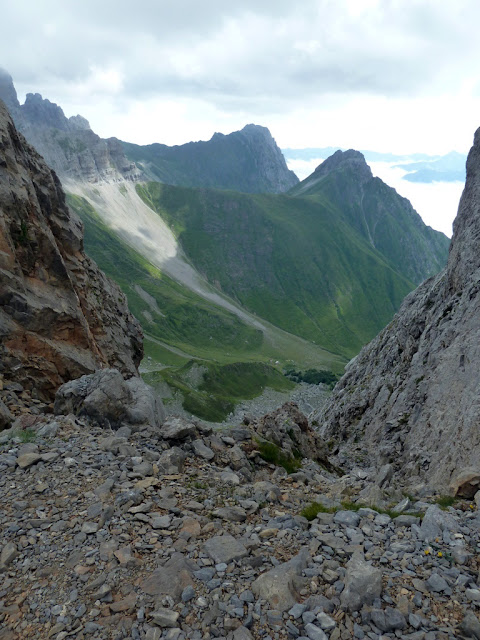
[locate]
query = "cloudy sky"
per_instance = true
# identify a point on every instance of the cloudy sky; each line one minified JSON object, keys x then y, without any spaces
{"x":389,"y":75}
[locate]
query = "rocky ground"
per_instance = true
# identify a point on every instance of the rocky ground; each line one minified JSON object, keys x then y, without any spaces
{"x":179,"y":532}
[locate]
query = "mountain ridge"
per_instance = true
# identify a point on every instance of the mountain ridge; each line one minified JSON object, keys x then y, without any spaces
{"x":409,"y":400}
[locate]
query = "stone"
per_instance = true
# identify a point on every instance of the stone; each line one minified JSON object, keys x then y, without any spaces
{"x":363,"y":583}
{"x":232,"y":514}
{"x":280,"y":585}
{"x":27,"y":459}
{"x":170,"y":579}
{"x":106,"y":398}
{"x":6,"y":418}
{"x":436,"y":583}
{"x":347,"y":518}
{"x":165,"y":617}
{"x":8,"y":555}
{"x":224,"y":549}
{"x":314,"y":633}
{"x":466,"y":484}
{"x":171,"y":461}
{"x":434,"y":522}
{"x":388,"y":620}
{"x":177,"y":429}
{"x":242,"y":633}
{"x":200,"y":449}
{"x":470,"y":625}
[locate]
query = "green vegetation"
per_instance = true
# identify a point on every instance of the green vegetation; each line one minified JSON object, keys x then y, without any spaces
{"x":294,"y":261}
{"x":311,"y":511}
{"x":313,"y":376}
{"x":26,"y":435}
{"x":445,"y":501}
{"x":211,"y":391}
{"x":274,"y":455}
{"x":167,"y":311}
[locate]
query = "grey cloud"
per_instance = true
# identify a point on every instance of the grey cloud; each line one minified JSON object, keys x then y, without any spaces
{"x":264,"y":55}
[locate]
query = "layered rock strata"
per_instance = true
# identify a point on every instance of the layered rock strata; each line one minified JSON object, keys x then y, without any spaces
{"x":60,"y":316}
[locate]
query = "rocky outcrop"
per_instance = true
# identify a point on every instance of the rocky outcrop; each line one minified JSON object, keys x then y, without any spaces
{"x":248,"y":160}
{"x":60,"y":316}
{"x":410,"y":398}
{"x":109,"y":400}
{"x":68,"y":145}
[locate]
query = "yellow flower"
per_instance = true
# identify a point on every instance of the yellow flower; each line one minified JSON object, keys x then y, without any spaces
{"x":440,"y":554}
{"x":427,"y":552}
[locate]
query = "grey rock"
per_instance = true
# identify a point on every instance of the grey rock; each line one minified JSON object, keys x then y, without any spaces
{"x":171,"y":579}
{"x":6,"y":418}
{"x":177,"y":429}
{"x":201,"y":450}
{"x":27,"y":459}
{"x":171,"y":461}
{"x":232,"y":514}
{"x":109,"y":400}
{"x":242,"y":633}
{"x":279,"y":586}
{"x":224,"y":549}
{"x":436,"y":583}
{"x":8,"y":555}
{"x":347,"y":518}
{"x":435,"y":522}
{"x":314,"y":633}
{"x":363,"y":583}
{"x":165,"y":617}
{"x":470,"y":625}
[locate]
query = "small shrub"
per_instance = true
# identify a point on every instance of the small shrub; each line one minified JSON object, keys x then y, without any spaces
{"x":445,"y":501}
{"x":311,"y":511}
{"x":27,"y":435}
{"x":271,"y":453}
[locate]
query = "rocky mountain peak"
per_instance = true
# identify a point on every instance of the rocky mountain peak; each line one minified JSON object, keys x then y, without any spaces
{"x":351,"y":160}
{"x":408,"y":403}
{"x":464,"y":259}
{"x":40,"y":112}
{"x":7,"y":91}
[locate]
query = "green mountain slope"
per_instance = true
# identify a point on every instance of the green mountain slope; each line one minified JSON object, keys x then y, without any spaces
{"x":384,"y":219}
{"x":294,"y":261}
{"x":248,"y":160}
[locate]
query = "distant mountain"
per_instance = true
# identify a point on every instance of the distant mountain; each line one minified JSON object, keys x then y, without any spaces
{"x":447,"y":168}
{"x":385,"y":220}
{"x":68,"y":145}
{"x":329,"y":261}
{"x":420,"y":167}
{"x":248,"y":160}
{"x":313,"y":153}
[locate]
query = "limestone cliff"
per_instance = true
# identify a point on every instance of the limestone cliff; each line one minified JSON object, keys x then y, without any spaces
{"x":411,"y":397}
{"x":60,"y":316}
{"x":68,"y":145}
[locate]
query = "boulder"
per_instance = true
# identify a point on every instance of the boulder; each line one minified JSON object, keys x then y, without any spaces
{"x":466,"y":484}
{"x":106,"y":398}
{"x":363,"y":583}
{"x":6,"y":417}
{"x":170,"y":579}
{"x":281,"y":585}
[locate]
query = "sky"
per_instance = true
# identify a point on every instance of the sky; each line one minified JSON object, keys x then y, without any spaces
{"x":398,"y":76}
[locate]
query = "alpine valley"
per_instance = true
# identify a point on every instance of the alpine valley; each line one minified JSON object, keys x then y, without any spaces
{"x":234,"y":269}
{"x":123,"y":517}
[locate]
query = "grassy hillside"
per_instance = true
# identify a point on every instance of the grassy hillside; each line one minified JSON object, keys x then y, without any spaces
{"x":211,"y":391}
{"x":386,"y":220}
{"x":237,"y":361}
{"x":294,"y":261}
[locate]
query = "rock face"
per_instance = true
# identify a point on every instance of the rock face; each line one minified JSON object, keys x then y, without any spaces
{"x":68,"y":145}
{"x":410,"y":398}
{"x":60,"y":316}
{"x":248,"y":160}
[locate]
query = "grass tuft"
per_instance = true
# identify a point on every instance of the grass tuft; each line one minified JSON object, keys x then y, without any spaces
{"x":274,"y":455}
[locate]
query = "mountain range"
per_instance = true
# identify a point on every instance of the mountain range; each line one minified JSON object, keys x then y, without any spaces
{"x":224,"y":256}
